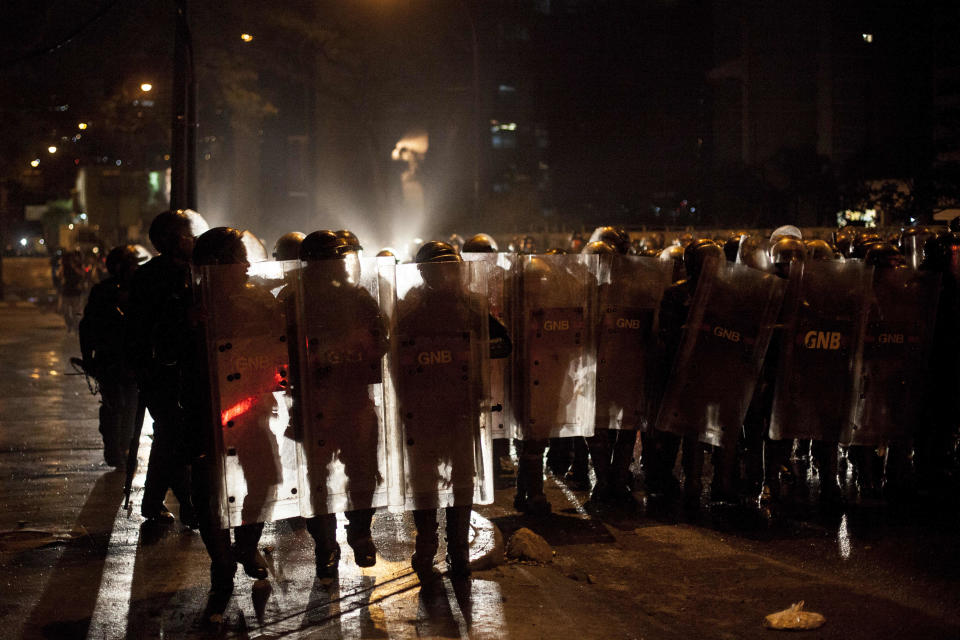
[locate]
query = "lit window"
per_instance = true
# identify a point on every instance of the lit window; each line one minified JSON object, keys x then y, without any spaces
{"x":868,"y":38}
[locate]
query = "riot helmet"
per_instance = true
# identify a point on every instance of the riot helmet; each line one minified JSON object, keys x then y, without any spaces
{"x":819,"y":250}
{"x":616,"y":237}
{"x":288,"y":246}
{"x":786,"y":251}
{"x":731,"y":247}
{"x":844,"y":243}
{"x":323,"y":245}
{"x":863,"y":242}
{"x":219,"y":246}
{"x":754,"y":252}
{"x":555,"y":251}
{"x":350,"y":239}
{"x":954,"y":224}
{"x":171,"y":233}
{"x":787,"y":230}
{"x":480,"y":243}
{"x":884,"y":255}
{"x":685,"y":239}
{"x":429,"y":259}
{"x":122,"y":261}
{"x":536,"y":270}
{"x":599,"y":247}
{"x":697,"y":253}
{"x":674,"y":255}
{"x":437,"y":251}
{"x":387,"y":252}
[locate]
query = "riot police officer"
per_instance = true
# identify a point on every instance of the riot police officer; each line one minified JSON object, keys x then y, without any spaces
{"x":627,"y":303}
{"x":240,"y":309}
{"x":345,"y":337}
{"x":888,"y":365}
{"x":438,"y":399}
{"x":101,"y":344}
{"x":660,"y":447}
{"x":775,"y":454}
{"x":159,"y":304}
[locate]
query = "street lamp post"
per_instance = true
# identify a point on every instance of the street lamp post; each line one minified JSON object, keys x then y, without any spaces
{"x":183,"y":157}
{"x":475,"y":115}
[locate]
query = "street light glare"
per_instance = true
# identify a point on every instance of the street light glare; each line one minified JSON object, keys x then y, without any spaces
{"x":82,"y":126}
{"x":146,"y":87}
{"x":51,"y":149}
{"x":35,"y":163}
{"x":246,"y":37}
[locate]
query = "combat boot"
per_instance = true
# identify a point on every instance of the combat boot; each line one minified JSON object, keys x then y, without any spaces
{"x":458,"y":541}
{"x":360,"y":538}
{"x":425,"y":546}
{"x":323,"y":530}
{"x":246,"y":552}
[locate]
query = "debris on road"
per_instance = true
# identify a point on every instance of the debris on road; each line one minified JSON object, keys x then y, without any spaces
{"x":524,"y":544}
{"x":794,"y":618}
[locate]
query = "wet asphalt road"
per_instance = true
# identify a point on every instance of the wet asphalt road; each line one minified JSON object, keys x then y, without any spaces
{"x":75,"y":565}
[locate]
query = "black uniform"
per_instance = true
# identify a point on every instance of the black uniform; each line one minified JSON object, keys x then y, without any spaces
{"x":101,"y":345}
{"x":160,"y":352}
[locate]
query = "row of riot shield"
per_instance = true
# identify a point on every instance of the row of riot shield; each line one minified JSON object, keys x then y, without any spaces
{"x":718,"y":364}
{"x":584,"y":342}
{"x":852,"y":348}
{"x":347,"y":384}
{"x":356,"y":383}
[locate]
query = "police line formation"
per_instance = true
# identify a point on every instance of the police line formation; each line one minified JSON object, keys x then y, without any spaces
{"x":325,"y":382}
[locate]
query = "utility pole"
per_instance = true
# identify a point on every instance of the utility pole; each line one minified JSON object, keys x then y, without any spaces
{"x":184,"y":125}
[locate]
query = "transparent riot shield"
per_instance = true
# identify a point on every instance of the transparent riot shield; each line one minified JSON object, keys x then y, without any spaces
{"x":500,"y":268}
{"x":630,"y":291}
{"x":247,"y":354}
{"x":555,"y":361}
{"x":896,"y":346}
{"x":721,"y":353}
{"x":820,"y":350}
{"x":439,"y":349}
{"x":342,"y":408}
{"x":913,"y":247}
